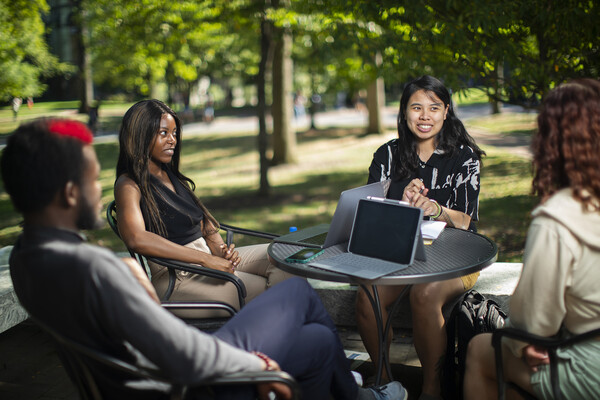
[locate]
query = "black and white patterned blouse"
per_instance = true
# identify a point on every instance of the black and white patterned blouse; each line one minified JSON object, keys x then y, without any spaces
{"x":452,"y":181}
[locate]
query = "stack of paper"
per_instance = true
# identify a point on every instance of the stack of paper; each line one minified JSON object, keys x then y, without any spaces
{"x":432,"y":229}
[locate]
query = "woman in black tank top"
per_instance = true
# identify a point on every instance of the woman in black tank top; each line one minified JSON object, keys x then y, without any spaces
{"x":160,"y":216}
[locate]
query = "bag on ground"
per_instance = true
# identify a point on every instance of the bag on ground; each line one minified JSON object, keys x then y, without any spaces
{"x":472,"y":315}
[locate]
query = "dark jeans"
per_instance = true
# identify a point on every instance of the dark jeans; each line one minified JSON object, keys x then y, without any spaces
{"x":289,"y":324}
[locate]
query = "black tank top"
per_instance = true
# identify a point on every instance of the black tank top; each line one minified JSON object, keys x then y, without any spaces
{"x":178,"y":211}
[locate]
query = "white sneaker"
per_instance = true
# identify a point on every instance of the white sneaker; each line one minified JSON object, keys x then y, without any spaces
{"x":389,"y":391}
{"x":358,"y":378}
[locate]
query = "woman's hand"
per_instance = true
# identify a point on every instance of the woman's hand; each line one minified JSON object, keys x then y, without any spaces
{"x":415,"y":186}
{"x":535,"y":356}
{"x":219,"y":263}
{"x":415,"y":194}
{"x":229,"y":253}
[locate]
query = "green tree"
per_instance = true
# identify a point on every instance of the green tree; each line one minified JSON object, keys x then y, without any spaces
{"x":25,"y":57}
{"x":284,"y":134}
{"x":516,"y":51}
{"x":340,"y":52}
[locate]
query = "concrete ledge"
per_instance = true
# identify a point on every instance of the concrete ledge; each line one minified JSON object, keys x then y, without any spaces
{"x":11,"y":312}
{"x":498,"y":281}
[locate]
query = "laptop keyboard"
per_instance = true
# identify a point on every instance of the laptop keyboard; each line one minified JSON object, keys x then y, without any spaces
{"x":355,"y":262}
{"x":317,"y":239}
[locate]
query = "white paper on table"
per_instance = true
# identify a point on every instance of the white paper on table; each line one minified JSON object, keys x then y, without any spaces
{"x":432,"y":229}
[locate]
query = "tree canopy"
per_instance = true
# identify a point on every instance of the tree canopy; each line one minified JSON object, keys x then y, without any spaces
{"x":136,"y":44}
{"x":515,"y":50}
{"x":24,"y":55}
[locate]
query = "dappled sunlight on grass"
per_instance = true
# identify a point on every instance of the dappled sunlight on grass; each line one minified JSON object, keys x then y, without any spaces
{"x":505,"y":202}
{"x":506,"y":123}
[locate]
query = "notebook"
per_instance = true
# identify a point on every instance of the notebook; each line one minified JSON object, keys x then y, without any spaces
{"x":326,"y":235}
{"x":385,"y":238}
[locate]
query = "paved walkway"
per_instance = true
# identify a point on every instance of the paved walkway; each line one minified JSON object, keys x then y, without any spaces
{"x":348,"y":118}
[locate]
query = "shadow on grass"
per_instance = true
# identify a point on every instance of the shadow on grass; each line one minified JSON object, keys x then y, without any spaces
{"x":506,"y":220}
{"x":501,"y":166}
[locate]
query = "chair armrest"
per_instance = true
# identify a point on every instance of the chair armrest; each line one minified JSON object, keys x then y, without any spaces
{"x":256,"y":377}
{"x":523,"y":336}
{"x":199,"y":269}
{"x":550,"y":343}
{"x":516,"y":334}
{"x":75,"y":352}
{"x":204,"y":305}
{"x":543,"y":341}
{"x":230,"y":230}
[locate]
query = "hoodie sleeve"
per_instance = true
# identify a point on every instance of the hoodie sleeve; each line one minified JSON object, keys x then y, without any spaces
{"x":538,"y":303}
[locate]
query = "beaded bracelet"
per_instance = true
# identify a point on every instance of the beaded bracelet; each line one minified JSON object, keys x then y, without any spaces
{"x":439,"y":210}
{"x":266,"y":359}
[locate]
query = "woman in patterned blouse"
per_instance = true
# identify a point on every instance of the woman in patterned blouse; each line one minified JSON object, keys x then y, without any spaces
{"x":434,"y":165}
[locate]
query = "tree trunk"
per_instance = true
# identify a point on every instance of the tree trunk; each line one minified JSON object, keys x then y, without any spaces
{"x":376,"y":101}
{"x":265,"y":55}
{"x":498,"y":83}
{"x":86,"y":85}
{"x":284,"y":133}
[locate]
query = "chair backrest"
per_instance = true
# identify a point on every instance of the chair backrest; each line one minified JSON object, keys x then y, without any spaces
{"x":111,"y":217}
{"x":83,"y":363}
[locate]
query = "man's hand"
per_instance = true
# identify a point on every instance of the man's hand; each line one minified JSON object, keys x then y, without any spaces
{"x":281,"y":390}
{"x":142,"y":278}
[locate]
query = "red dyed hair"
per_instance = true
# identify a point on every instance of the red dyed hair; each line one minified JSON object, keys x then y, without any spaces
{"x":67,"y":127}
{"x":567,"y":146}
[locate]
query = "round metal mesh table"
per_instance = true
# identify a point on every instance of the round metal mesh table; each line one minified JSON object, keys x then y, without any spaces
{"x":454,"y":253}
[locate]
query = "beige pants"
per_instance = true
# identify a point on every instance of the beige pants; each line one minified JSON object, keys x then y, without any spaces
{"x":255,"y":270}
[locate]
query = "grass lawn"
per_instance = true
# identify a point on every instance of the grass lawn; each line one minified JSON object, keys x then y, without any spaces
{"x":225,"y":169}
{"x":110,"y":114}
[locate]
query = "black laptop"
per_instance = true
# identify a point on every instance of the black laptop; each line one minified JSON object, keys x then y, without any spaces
{"x":386,"y":238}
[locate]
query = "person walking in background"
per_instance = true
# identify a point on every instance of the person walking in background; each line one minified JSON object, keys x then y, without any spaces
{"x":299,"y":101}
{"x":434,"y":165}
{"x":50,"y":171}
{"x":160,"y":216}
{"x":93,"y":116}
{"x":208,"y":115}
{"x":16,"y":105}
{"x":558,"y":288}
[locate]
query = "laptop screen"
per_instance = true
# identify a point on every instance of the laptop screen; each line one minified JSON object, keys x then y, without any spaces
{"x":386,"y":230}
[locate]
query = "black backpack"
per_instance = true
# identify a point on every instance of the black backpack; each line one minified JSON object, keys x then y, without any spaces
{"x":472,"y":315}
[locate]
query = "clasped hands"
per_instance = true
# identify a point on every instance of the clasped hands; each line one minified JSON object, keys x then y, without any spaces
{"x":227,"y":260}
{"x":415,"y":193}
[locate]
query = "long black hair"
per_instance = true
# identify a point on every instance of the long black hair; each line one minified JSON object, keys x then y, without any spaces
{"x":452,"y":135}
{"x":141,"y":124}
